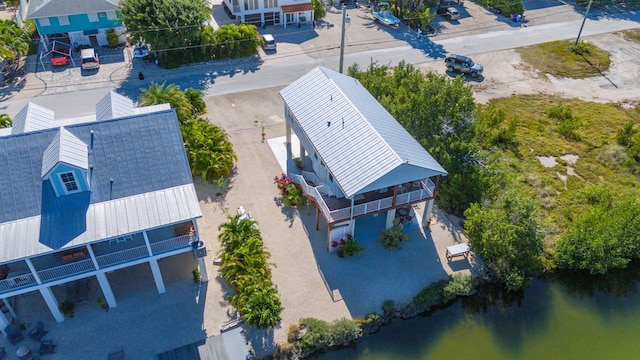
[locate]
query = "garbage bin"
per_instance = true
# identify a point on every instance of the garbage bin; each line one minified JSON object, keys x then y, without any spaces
{"x":140,"y":75}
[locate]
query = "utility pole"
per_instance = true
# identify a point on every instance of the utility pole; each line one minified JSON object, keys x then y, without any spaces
{"x":583,"y":20}
{"x":344,"y":16}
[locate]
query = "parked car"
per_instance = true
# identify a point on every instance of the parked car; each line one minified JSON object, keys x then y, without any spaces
{"x":452,"y":14}
{"x":90,"y":59}
{"x":60,"y":56}
{"x":268,"y":42}
{"x":141,"y":51}
{"x":463,"y":64}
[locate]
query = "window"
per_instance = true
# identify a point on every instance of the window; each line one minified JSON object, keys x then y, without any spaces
{"x":63,"y":20}
{"x":44,"y":22}
{"x":93,"y":17}
{"x":330,"y":178}
{"x":102,"y":14}
{"x":111,"y":15}
{"x":251,"y":5}
{"x":69,"y":182}
{"x":270,"y":4}
{"x":315,"y":155}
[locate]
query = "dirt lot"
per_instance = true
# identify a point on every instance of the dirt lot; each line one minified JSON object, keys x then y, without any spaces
{"x":505,"y":75}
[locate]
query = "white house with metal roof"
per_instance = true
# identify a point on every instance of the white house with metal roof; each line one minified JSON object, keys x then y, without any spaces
{"x":92,"y":197}
{"x":270,"y":12}
{"x":355,"y":159}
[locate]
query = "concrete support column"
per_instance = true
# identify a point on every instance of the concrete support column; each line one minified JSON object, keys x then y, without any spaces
{"x":10,"y":308}
{"x":106,"y":289}
{"x":203,"y":270}
{"x":4,"y":322}
{"x":288,"y":132}
{"x":52,"y":303}
{"x":391,"y":215}
{"x":157,"y":276}
{"x":302,"y":155}
{"x":426,"y":215}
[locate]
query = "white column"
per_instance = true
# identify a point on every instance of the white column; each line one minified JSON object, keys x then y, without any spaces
{"x":33,"y":270}
{"x":302,"y":154}
{"x":391,"y":215}
{"x":203,"y":270}
{"x":4,"y":322}
{"x":426,"y":215}
{"x":52,"y":303}
{"x":157,"y":276}
{"x":146,"y":242}
{"x":10,"y":308}
{"x":288,"y":130}
{"x":106,"y":289}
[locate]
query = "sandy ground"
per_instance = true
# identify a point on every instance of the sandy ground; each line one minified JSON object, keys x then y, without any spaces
{"x":505,"y":74}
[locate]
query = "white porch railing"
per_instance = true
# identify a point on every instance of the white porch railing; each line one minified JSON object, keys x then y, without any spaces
{"x":332,"y":216}
{"x":171,"y":244}
{"x":16,"y":282}
{"x":122,"y":256}
{"x":65,"y":270}
{"x":372,"y":206}
{"x":311,"y":176}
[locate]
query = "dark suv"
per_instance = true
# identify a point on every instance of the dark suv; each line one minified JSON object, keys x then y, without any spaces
{"x":463,"y":64}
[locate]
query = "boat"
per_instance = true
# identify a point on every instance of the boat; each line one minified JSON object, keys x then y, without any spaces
{"x":385,"y":16}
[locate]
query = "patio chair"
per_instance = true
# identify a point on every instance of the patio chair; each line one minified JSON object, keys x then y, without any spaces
{"x":47,"y":347}
{"x":38,"y":332}
{"x":118,"y":355}
{"x":14,"y":335}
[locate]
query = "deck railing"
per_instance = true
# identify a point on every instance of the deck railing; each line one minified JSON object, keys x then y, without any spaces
{"x":171,"y":244}
{"x":311,"y":176}
{"x":122,"y":256}
{"x":425,"y":192}
{"x":76,"y":267}
{"x":17,"y":282}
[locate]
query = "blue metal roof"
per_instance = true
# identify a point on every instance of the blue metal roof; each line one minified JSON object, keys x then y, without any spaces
{"x":127,"y":157}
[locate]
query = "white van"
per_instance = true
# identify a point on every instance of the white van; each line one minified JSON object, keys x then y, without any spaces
{"x":269,"y":43}
{"x":90,"y":59}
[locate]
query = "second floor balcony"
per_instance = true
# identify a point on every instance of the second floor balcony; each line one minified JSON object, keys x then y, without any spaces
{"x":95,"y":256}
{"x":335,"y":209}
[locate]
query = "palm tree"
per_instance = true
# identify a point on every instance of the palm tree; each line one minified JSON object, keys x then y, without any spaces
{"x":14,"y":40}
{"x":5,"y":121}
{"x":209,"y":151}
{"x":235,"y":231}
{"x":167,"y":94}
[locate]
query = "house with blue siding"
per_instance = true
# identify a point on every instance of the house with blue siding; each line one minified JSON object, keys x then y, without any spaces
{"x":85,"y":22}
{"x":355,"y":160}
{"x":89,"y":198}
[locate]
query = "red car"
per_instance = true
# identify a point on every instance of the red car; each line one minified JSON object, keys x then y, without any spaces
{"x":60,"y":57}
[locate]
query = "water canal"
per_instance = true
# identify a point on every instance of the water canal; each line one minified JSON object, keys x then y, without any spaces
{"x":579,"y":317}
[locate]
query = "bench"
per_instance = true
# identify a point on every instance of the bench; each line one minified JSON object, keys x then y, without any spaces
{"x":457,"y":250}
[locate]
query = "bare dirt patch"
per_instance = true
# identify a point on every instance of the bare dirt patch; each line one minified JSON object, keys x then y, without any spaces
{"x":506,"y":74}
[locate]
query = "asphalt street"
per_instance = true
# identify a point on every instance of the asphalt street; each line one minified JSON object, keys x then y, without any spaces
{"x":253,"y":75}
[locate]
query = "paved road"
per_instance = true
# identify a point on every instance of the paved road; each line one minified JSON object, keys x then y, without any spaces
{"x":282,"y":70}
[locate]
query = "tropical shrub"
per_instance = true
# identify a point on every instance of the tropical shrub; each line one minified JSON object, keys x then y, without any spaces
{"x":244,"y":265}
{"x":431,"y":295}
{"x":5,"y":121}
{"x":290,"y":192}
{"x":112,"y":38}
{"x":209,"y":151}
{"x":319,"y":334}
{"x":393,"y":237}
{"x":352,"y":247}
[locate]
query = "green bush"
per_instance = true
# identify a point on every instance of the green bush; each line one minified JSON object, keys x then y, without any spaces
{"x":388,"y":307}
{"x":567,"y":124}
{"x":459,"y":284}
{"x":352,"y":247}
{"x":431,"y":295}
{"x":392,"y":238}
{"x":320,"y":335}
{"x":293,"y":333}
{"x":112,"y":38}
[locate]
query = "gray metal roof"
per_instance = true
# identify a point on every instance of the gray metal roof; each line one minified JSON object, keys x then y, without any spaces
{"x":361,"y":144}
{"x":32,"y":117}
{"x":139,"y":175}
{"x":113,"y":106}
{"x":48,"y":8}
{"x":65,"y":148}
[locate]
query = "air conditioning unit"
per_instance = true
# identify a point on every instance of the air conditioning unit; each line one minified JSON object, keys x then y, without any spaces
{"x":199,"y":249}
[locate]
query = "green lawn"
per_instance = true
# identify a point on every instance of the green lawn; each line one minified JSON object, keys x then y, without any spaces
{"x":557,"y":59}
{"x":632,"y":35}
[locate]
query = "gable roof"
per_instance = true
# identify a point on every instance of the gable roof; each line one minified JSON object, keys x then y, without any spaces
{"x":113,"y":106}
{"x":32,"y":117}
{"x":49,"y":8}
{"x":139,"y":173}
{"x":361,"y":144}
{"x":66,"y":148}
